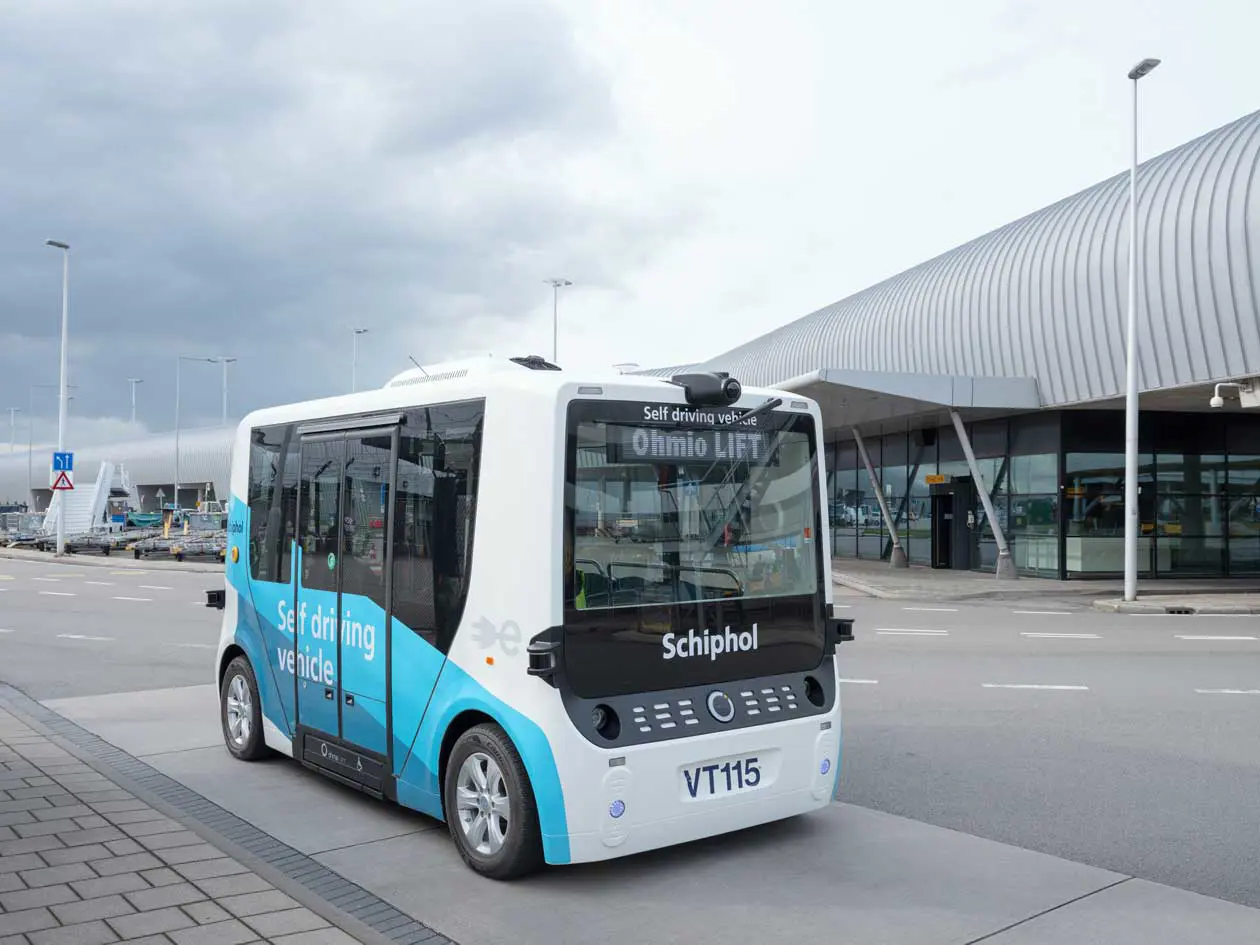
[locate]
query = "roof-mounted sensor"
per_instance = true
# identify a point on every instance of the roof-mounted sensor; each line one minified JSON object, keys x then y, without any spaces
{"x":535,"y":363}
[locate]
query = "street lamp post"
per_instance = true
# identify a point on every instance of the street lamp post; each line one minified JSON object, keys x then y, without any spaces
{"x":354,"y":359}
{"x":13,"y":412}
{"x":133,"y":381}
{"x":178,"y":361}
{"x":30,"y":431}
{"x":225,"y":362}
{"x":62,"y":404}
{"x":1132,"y":519}
{"x":556,"y":286}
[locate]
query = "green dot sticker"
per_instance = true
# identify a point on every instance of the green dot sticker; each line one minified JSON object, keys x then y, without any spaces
{"x":332,"y":561}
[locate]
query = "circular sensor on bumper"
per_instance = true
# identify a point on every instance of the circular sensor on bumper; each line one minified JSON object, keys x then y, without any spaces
{"x":720,"y":706}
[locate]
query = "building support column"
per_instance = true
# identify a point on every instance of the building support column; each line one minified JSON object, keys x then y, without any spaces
{"x":898,"y":558}
{"x":1005,"y":566}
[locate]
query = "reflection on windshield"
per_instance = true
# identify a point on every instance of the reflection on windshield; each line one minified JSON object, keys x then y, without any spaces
{"x":662,"y":516}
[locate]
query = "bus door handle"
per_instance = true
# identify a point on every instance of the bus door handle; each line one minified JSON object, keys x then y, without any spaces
{"x":328,"y":693}
{"x":349,"y":699}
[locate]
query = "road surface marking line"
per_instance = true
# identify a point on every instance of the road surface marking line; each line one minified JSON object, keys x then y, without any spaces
{"x":861,"y":682}
{"x":194,"y":646}
{"x":842,"y":606}
{"x":57,"y":593}
{"x":933,"y":610}
{"x":923,"y":633}
{"x":100,"y":583}
{"x":82,"y":636}
{"x":128,"y":572}
{"x":1061,"y":636}
{"x":6,"y":577}
{"x":992,"y":685}
{"x":153,"y":587}
{"x":49,"y":580}
{"x":144,"y":599}
{"x":1046,"y":613}
{"x":2,"y":630}
{"x":1228,"y":692}
{"x":1205,"y":637}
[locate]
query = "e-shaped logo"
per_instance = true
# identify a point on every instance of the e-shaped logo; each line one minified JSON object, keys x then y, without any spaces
{"x":506,"y":637}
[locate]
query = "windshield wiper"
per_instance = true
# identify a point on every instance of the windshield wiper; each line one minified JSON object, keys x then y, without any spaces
{"x":755,"y":412}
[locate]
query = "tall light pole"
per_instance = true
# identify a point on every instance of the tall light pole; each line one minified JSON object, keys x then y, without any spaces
{"x":556,"y":286}
{"x":62,"y":405}
{"x":13,"y":412}
{"x":1132,"y":518}
{"x":30,"y":430}
{"x":225,"y":362}
{"x":354,"y":359}
{"x":133,"y":381}
{"x":180,"y":359}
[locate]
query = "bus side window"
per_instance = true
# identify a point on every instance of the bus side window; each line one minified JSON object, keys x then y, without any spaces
{"x":272,"y":498}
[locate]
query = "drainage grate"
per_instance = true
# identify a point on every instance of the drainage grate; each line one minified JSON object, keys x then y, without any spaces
{"x":317,"y":879}
{"x":1179,"y":610}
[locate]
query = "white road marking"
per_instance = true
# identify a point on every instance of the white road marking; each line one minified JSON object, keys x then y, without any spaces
{"x":153,"y":587}
{"x":100,"y":583}
{"x":924,"y":633}
{"x":842,"y":606}
{"x":81,"y":636}
{"x":861,"y":682}
{"x":49,"y":580}
{"x":1228,"y":692}
{"x":143,"y":599}
{"x":3,"y":630}
{"x":1062,"y":636}
{"x":1046,"y":613}
{"x":129,"y":571}
{"x":1205,"y":637}
{"x":58,"y":593}
{"x":933,"y":610}
{"x":991,"y":685}
{"x":194,"y":646}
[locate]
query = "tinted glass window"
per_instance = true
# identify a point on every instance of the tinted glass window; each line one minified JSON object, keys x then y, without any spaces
{"x":320,"y":512}
{"x":272,"y":502}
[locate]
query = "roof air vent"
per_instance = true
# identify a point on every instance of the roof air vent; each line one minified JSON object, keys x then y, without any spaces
{"x":535,"y":363}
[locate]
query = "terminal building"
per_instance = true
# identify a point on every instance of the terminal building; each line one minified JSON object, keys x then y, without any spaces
{"x":974,"y":405}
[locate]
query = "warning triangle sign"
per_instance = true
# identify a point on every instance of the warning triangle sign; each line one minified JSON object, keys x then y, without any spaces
{"x":62,"y":483}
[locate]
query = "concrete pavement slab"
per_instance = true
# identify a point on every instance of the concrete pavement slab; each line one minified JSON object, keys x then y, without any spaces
{"x":156,"y":721}
{"x":1182,"y":603}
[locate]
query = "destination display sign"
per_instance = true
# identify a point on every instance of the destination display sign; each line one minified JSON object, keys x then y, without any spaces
{"x":630,"y":444}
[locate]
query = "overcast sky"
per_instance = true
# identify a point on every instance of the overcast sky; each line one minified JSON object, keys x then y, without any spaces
{"x":257,"y":179}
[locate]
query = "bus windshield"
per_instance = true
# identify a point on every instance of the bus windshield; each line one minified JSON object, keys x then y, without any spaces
{"x":670,"y":513}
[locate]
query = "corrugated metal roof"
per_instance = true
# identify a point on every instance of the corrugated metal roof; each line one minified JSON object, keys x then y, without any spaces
{"x":1046,"y":296}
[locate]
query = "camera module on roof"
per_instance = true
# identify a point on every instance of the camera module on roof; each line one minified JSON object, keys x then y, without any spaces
{"x":535,"y":363}
{"x":709,"y":389}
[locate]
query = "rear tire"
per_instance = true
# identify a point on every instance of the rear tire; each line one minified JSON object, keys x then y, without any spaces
{"x":240,"y":712}
{"x":490,"y":807}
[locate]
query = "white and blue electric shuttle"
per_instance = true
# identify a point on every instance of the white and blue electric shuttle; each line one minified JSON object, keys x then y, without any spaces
{"x":574,"y":618}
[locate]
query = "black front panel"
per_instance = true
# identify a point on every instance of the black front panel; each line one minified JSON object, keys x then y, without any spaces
{"x":644,"y":649}
{"x":643,"y":718}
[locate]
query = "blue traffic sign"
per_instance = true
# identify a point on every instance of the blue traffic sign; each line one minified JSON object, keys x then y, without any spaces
{"x":63,"y":462}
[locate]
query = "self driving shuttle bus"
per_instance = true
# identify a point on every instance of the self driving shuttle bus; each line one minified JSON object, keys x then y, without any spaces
{"x":573,"y":617}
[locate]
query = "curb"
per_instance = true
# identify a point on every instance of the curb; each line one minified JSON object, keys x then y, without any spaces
{"x":112,"y":561}
{"x":1150,"y":607}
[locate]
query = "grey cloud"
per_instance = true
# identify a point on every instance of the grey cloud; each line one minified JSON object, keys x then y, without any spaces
{"x":254,"y":180}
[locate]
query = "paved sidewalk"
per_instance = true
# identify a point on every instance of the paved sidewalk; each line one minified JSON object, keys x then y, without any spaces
{"x":1183,"y":604}
{"x":85,"y":862}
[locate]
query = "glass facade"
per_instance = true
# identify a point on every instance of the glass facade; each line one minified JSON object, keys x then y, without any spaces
{"x":1056,"y":480}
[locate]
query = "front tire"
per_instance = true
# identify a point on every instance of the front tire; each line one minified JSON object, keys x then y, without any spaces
{"x":490,"y":808}
{"x":240,"y":712}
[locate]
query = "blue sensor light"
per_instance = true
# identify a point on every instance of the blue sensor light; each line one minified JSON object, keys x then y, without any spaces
{"x":826,"y":765}
{"x":616,"y":809}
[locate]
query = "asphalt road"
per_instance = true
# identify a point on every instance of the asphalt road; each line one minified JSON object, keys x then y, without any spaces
{"x":86,"y":629}
{"x":1140,"y":755}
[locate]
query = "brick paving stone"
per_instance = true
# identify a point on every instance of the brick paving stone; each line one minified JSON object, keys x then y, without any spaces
{"x":14,"y":940}
{"x":50,"y":790}
{"x":177,"y":894}
{"x":149,"y":827}
{"x":162,"y":876}
{"x":86,"y":933}
{"x":51,"y":875}
{"x":253,"y":903}
{"x":100,"y":797}
{"x":27,"y":803}
{"x":34,"y":898}
{"x":325,"y":936}
{"x":28,"y":845}
{"x":230,"y":932}
{"x":163,"y":841}
{"x":10,"y":882}
{"x":93,"y":851}
{"x":7,"y":833}
{"x":62,"y":813}
{"x":38,"y":828}
{"x":134,"y":815}
{"x":25,"y":861}
{"x":106,"y":907}
{"x":204,"y":913}
{"x":16,"y":817}
{"x":118,"y":807}
{"x":124,"y":847}
{"x":126,"y":864}
{"x":109,"y":885}
{"x":219,"y":886}
{"x":150,"y":923}
{"x":63,"y":800}
{"x":41,"y":781}
{"x":204,"y":869}
{"x":287,"y":922}
{"x":189,"y":854}
{"x":99,"y":835}
{"x":28,"y":920}
{"x":92,"y":821}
